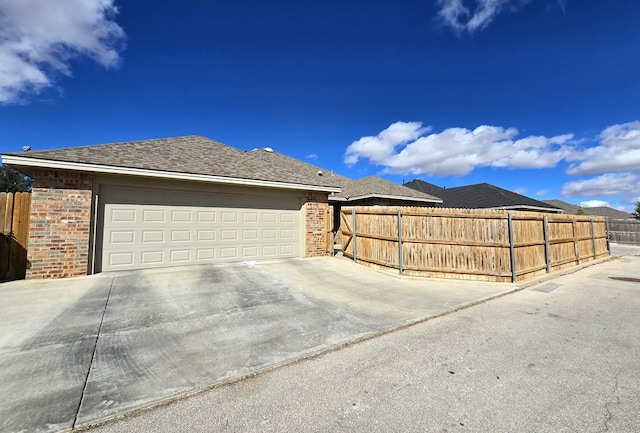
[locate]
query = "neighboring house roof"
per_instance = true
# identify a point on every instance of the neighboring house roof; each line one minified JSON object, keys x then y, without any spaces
{"x":199,"y":158}
{"x":363,"y":188}
{"x":372,"y":186}
{"x":482,"y":196}
{"x":603,"y":211}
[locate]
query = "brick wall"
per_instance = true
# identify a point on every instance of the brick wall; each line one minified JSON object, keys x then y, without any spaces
{"x":316,"y":210}
{"x":60,"y":224}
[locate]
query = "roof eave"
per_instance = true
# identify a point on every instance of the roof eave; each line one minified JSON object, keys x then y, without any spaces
{"x":142,"y":172}
{"x":395,"y":197}
{"x":534,"y":208}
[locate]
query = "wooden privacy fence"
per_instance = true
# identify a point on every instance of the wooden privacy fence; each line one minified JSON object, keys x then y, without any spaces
{"x":624,"y":231}
{"x":490,"y":245}
{"x":14,"y":234}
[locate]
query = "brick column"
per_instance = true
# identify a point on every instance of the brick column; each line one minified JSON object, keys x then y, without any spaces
{"x":315,"y":210}
{"x":60,"y":226}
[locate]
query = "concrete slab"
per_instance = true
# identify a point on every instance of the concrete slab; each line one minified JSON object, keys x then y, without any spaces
{"x":47,"y":336}
{"x":81,"y":350}
{"x":545,"y":361}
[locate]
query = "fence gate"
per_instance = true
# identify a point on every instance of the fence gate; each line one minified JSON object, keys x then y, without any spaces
{"x":14,"y":234}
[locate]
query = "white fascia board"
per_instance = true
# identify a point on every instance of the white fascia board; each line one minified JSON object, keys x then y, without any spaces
{"x":395,"y":197}
{"x":524,"y":207}
{"x":142,"y":172}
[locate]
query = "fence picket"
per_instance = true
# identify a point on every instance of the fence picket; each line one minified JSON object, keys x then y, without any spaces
{"x":14,"y":234}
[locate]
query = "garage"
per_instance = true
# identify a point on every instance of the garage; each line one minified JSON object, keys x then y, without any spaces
{"x":170,"y":202}
{"x":140,"y":228}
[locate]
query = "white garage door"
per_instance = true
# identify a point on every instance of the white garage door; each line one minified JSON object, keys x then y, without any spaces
{"x":146,"y":228}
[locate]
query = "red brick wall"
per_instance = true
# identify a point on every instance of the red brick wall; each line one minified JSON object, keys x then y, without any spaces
{"x":60,"y":224}
{"x":316,"y":211}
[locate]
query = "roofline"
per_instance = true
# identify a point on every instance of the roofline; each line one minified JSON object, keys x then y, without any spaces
{"x":126,"y":171}
{"x":394,"y":197}
{"x":524,"y":206}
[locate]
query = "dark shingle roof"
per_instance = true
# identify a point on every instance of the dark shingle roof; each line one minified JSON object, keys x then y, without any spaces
{"x":426,"y":187}
{"x":481,"y":196}
{"x":603,"y":211}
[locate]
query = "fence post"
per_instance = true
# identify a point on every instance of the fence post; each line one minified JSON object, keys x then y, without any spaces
{"x":400,"y":253}
{"x":607,"y":234}
{"x":547,"y":254}
{"x":576,"y":249}
{"x":512,"y":248}
{"x":353,"y":214}
{"x":593,"y":240}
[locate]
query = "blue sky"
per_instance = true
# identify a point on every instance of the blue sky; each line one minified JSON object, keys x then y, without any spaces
{"x":541,"y":97}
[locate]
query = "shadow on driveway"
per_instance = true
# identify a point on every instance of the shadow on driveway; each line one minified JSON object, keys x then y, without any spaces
{"x":77,"y":351}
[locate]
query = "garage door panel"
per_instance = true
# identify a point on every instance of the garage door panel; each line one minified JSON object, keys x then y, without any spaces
{"x":144,"y":228}
{"x":286,"y":219}
{"x":229,"y":217}
{"x":121,"y":259}
{"x":287,"y":234}
{"x":206,"y":235}
{"x":180,"y":236}
{"x":269,"y":218}
{"x":123,"y":215}
{"x":206,"y":216}
{"x":205,"y":254}
{"x":250,"y":217}
{"x":123,"y":237}
{"x":152,"y":236}
{"x":229,"y":253}
{"x":180,"y":256}
{"x":286,"y":250}
{"x":153,"y":216}
{"x":151,"y":257}
{"x":249,"y":235}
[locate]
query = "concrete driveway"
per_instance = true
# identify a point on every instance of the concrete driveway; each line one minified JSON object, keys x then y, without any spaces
{"x":81,"y":350}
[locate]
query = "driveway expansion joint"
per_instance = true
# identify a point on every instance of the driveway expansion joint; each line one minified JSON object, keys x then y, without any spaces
{"x":93,"y":355}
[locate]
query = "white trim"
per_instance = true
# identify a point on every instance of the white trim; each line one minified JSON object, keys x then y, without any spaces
{"x":107,"y":169}
{"x":394,"y":197}
{"x":525,"y":207}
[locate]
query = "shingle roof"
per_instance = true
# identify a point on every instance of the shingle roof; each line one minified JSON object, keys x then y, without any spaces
{"x":191,"y":154}
{"x":568,"y":208}
{"x":480,"y":196}
{"x":383,"y":187}
{"x":426,"y":187}
{"x":603,"y":211}
{"x":202,"y":156}
{"x":372,"y":185}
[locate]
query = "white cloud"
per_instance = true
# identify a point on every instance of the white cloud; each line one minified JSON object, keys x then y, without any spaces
{"x":619,"y":150}
{"x":38,"y":38}
{"x":312,"y":156}
{"x":609,"y":184}
{"x":542,"y":193}
{"x":473,"y":15}
{"x":378,"y":149}
{"x":403,"y":148}
{"x":594,"y":203}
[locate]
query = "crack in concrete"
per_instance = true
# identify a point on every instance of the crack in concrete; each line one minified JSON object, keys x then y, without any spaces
{"x":610,"y":403}
{"x":93,"y":355}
